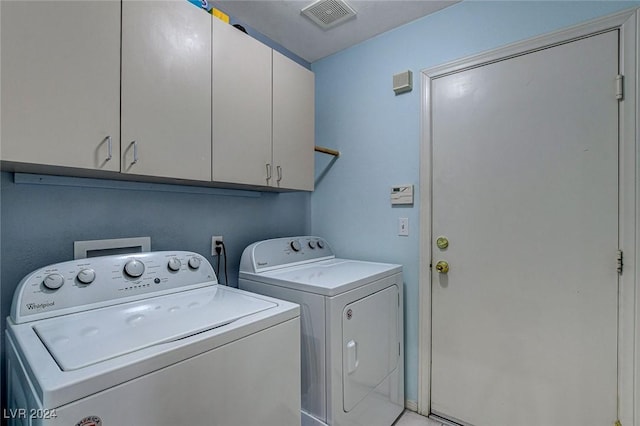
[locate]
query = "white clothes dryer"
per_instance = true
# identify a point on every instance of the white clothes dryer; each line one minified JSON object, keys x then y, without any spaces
{"x":352,"y":342}
{"x":149,"y":339}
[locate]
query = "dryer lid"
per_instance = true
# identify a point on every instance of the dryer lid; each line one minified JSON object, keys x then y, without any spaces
{"x":79,"y":340}
{"x":328,"y":277}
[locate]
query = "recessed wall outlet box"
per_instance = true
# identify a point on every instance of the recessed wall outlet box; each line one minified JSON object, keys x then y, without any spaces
{"x":403,"y":82}
{"x":93,"y":248}
{"x":402,"y":194}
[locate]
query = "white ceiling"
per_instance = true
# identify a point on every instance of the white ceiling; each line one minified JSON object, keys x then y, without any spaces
{"x":282,"y":22}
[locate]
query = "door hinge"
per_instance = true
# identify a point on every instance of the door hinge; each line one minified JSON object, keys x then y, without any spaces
{"x":617,"y":423}
{"x":620,"y":261}
{"x":619,"y":86}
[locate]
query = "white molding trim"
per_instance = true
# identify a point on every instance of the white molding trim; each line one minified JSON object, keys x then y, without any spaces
{"x":630,"y":390}
{"x":424,"y":272}
{"x":411,"y":405}
{"x":628,"y":23}
{"x":544,"y":41}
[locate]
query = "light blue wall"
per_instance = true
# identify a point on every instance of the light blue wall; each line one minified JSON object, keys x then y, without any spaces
{"x":377,"y":133}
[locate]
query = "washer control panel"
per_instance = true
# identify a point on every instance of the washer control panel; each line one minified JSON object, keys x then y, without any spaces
{"x":280,"y":252}
{"x":91,"y":283}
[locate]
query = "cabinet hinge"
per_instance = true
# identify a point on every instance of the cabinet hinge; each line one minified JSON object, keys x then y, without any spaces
{"x":617,"y":423}
{"x":620,"y":260}
{"x":619,"y":86}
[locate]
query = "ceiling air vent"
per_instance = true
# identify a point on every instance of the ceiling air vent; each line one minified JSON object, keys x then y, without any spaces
{"x":328,"y":13}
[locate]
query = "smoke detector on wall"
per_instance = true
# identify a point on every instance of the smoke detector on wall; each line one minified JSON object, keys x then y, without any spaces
{"x":329,"y":13}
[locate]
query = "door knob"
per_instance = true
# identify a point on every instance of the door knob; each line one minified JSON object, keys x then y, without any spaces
{"x":442,"y":243}
{"x":442,"y":267}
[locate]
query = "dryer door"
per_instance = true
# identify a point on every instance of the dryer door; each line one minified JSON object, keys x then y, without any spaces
{"x":371,"y":342}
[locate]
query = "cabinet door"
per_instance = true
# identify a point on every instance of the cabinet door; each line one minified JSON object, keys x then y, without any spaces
{"x":61,"y":83}
{"x":241,"y":107}
{"x":166,"y":89}
{"x":293,"y":124}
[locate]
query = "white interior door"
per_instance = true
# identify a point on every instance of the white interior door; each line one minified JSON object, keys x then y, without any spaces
{"x":525,"y":188}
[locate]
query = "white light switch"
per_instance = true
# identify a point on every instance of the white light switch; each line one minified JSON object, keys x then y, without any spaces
{"x":403,"y":226}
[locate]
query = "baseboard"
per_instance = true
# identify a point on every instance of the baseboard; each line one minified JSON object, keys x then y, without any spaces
{"x":411,"y":405}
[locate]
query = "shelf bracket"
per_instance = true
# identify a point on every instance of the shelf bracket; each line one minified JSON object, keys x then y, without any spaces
{"x":327,"y":151}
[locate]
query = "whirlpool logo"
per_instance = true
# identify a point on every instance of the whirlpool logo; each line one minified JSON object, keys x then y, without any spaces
{"x":90,"y":421}
{"x":36,"y":306}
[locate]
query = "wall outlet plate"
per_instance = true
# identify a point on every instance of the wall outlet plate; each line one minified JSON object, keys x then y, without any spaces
{"x":214,"y":240}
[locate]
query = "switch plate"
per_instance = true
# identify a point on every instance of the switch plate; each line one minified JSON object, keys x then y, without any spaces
{"x":403,"y":226}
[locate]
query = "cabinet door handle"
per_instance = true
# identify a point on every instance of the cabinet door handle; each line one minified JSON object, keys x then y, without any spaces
{"x":135,"y":152}
{"x":268,"y":172}
{"x":279,"y":170}
{"x":109,"y":148}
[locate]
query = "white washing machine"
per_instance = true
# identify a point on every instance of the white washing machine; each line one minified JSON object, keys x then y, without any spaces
{"x":351,"y":324}
{"x":149,"y":339}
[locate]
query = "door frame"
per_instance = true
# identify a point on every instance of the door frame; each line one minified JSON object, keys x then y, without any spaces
{"x":628,"y":23}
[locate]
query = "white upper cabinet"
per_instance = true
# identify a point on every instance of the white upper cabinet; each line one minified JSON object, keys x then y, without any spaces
{"x":241,"y":107}
{"x":263,"y":114}
{"x":61,"y":83}
{"x":293,"y":124}
{"x":150,"y":89}
{"x":166,"y":90}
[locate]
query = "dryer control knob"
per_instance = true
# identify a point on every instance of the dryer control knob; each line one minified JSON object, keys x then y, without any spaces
{"x":320,"y":244}
{"x":53,"y":281}
{"x":174,"y":264}
{"x":194,"y":262}
{"x":295,"y":245}
{"x":312,"y":244}
{"x":86,"y":276}
{"x":134,"y":268}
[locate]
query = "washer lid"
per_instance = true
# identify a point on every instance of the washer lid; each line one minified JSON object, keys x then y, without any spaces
{"x":327,"y":277}
{"x":79,"y":340}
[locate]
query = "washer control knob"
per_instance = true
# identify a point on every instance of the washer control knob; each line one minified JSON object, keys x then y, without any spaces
{"x":194,"y":262}
{"x":320,"y":244}
{"x":312,"y":245}
{"x":86,"y":276}
{"x":295,"y":245}
{"x":53,"y":281}
{"x":134,"y":268}
{"x":174,"y":264}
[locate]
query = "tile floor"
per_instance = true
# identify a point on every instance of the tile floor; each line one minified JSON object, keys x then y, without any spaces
{"x":409,"y":418}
